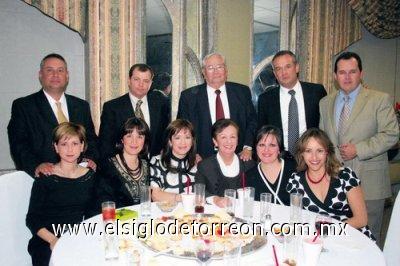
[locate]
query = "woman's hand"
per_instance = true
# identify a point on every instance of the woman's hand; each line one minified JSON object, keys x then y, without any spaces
{"x":220,"y":201}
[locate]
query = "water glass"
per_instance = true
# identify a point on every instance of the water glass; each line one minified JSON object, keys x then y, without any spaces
{"x":230,"y":195}
{"x":296,"y":205}
{"x":246,"y":202}
{"x":265,"y":205}
{"x":199,"y":198}
{"x":204,"y":250}
{"x":232,"y":253}
{"x":311,"y":251}
{"x":145,"y":202}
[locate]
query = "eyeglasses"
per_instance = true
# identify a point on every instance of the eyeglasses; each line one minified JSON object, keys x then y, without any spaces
{"x":215,"y":68}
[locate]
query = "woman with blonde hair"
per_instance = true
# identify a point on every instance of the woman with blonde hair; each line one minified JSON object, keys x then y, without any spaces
{"x":64,"y":197}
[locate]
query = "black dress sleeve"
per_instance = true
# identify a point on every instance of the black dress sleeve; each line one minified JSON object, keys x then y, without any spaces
{"x":34,"y":218}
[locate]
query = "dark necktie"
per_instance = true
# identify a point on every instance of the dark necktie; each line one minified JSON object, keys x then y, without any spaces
{"x":219,"y":109}
{"x":138,"y":110}
{"x":344,"y":117}
{"x":293,"y":123}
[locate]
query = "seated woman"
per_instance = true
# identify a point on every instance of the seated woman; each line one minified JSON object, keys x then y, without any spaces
{"x":175,"y":167}
{"x":272,"y":172}
{"x":327,"y":187}
{"x":123,"y":174}
{"x":223,"y":170}
{"x":63,"y":197}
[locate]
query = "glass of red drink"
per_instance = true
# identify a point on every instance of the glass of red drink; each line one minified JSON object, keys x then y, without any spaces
{"x":199,"y":198}
{"x":108,"y":210}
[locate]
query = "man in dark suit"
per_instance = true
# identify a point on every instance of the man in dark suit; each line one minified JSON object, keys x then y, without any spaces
{"x":202,"y":105}
{"x":293,"y":106}
{"x":151,"y":106}
{"x":34,"y":117}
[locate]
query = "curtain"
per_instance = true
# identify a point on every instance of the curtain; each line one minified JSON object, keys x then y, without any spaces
{"x":325,"y":28}
{"x":380,"y":17}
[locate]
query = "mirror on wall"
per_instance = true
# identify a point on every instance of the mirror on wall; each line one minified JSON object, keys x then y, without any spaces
{"x":266,"y":34}
{"x":159,"y":45}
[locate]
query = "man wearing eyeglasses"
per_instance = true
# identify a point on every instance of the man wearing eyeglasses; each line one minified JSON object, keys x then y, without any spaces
{"x":215,"y":99}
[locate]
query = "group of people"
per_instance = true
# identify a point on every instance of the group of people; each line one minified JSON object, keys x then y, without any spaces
{"x":332,"y":149}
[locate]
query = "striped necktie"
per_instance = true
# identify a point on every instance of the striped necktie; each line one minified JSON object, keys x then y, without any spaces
{"x":344,"y":117}
{"x":293,"y":123}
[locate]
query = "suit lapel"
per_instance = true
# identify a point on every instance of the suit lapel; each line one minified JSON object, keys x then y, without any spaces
{"x":358,"y":106}
{"x":307,"y":103}
{"x":153,"y":110}
{"x":203,"y":105}
{"x":72,"y":109}
{"x":45,"y":108}
{"x":331,"y":114}
{"x":233,"y":102}
{"x":276,"y":108}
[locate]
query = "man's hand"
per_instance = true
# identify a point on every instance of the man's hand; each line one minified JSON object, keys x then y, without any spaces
{"x":91,"y":164}
{"x":245,"y":155}
{"x":348,"y":151}
{"x":44,"y":168}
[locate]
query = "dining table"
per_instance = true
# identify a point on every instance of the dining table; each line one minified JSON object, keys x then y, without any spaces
{"x":353,"y":248}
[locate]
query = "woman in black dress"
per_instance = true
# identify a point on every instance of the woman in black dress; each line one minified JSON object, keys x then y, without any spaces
{"x":225,"y":170}
{"x":272,"y":172}
{"x":327,"y":188}
{"x":123,"y":174}
{"x":62,"y":198}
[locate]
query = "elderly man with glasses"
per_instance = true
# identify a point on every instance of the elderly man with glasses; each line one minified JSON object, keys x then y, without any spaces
{"x":216,"y":99}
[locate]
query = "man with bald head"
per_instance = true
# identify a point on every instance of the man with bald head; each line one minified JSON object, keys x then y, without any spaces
{"x":215,"y":99}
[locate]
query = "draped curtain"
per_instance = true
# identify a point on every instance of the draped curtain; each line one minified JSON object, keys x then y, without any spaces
{"x":380,"y":17}
{"x":325,"y":28}
{"x":113,"y":34}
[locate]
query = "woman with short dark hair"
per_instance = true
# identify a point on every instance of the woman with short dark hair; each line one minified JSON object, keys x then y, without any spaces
{"x":224,"y":170}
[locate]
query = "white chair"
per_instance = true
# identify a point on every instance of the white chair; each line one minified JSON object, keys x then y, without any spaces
{"x":15,"y":191}
{"x":391,"y":249}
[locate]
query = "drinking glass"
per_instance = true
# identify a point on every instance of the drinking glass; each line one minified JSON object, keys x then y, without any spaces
{"x":110,"y":237}
{"x":145,"y":202}
{"x":232,"y":253}
{"x":246,"y":202}
{"x":265,"y":206}
{"x":322,"y":225}
{"x":296,"y":204}
{"x":199,"y":198}
{"x":230,"y":195}
{"x":204,"y":250}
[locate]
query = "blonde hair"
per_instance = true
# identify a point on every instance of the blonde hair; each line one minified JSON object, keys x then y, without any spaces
{"x":67,"y":130}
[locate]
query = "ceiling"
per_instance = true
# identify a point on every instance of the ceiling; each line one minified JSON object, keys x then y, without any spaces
{"x":266,"y":17}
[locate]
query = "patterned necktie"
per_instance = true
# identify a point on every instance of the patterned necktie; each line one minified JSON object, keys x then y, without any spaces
{"x":219,"y":109}
{"x":344,"y":117}
{"x":138,"y":110}
{"x":293,"y":123}
{"x":60,"y":114}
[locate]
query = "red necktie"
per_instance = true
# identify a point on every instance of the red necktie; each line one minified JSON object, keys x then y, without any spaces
{"x":219,"y":109}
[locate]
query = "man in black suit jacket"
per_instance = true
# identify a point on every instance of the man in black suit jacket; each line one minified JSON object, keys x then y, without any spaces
{"x":34,"y":117}
{"x":273,"y":104}
{"x":152,"y":106}
{"x":198,"y":105}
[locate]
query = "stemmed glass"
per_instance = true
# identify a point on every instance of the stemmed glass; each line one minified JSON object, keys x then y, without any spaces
{"x":322,"y":225}
{"x":204,"y":250}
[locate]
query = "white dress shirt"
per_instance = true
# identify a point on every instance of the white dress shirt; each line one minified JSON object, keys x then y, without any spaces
{"x":212,"y":96}
{"x":285,"y":97}
{"x":53,"y":105}
{"x":144,"y":107}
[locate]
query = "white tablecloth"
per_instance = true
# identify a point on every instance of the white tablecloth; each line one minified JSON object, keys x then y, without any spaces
{"x":353,"y":249}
